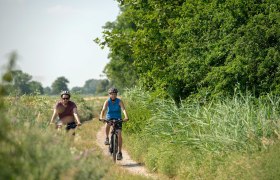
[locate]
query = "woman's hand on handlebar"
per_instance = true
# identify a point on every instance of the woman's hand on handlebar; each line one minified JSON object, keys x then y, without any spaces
{"x":125,"y":119}
{"x":103,"y":120}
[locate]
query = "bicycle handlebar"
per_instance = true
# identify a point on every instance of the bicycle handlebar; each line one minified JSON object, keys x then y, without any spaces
{"x":113,"y":120}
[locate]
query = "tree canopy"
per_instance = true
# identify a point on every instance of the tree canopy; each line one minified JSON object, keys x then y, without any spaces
{"x":22,"y":84}
{"x":60,"y":84}
{"x":196,"y":47}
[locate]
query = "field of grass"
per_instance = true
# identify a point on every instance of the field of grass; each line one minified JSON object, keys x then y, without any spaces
{"x":233,"y":138}
{"x":228,"y":138}
{"x":30,"y":149}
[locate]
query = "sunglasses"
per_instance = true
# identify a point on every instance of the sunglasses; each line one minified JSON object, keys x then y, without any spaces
{"x":65,"y":98}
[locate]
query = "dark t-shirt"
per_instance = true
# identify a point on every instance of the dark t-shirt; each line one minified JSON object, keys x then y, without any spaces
{"x":68,"y":111}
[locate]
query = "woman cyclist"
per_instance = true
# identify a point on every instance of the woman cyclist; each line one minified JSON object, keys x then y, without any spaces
{"x":114,"y":106}
{"x":67,"y":112}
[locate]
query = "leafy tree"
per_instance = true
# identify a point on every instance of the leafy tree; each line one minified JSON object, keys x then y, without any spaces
{"x":22,"y":84}
{"x":36,"y":87}
{"x":47,"y":90}
{"x":90,"y":86}
{"x":195,"y":48}
{"x":60,"y":84}
{"x":120,"y":70}
{"x":21,"y":81}
{"x":77,"y":90}
{"x":102,"y":86}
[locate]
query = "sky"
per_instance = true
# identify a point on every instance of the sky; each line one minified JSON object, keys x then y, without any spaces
{"x":54,"y":38}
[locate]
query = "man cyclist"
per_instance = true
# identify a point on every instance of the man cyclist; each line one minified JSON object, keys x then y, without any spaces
{"x":67,"y":112}
{"x":113,"y":106}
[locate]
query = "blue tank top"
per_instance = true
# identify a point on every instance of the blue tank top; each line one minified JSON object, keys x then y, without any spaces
{"x":114,"y":109}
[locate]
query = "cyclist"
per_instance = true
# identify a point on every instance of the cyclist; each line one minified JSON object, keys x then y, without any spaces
{"x":113,"y":106}
{"x":67,"y":112}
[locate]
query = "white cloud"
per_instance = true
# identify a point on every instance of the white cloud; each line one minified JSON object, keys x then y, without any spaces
{"x":62,"y":10}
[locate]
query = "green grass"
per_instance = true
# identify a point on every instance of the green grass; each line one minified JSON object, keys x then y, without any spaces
{"x":233,"y":138}
{"x":197,"y":139}
{"x":30,"y":149}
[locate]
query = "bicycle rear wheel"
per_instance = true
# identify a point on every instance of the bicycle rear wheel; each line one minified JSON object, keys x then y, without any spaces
{"x":115,"y":147}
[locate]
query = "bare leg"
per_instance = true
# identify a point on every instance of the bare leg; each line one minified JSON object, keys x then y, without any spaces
{"x":107,"y":130}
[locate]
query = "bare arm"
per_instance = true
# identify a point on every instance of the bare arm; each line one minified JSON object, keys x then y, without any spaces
{"x":53,"y":116}
{"x":124,"y":111}
{"x":104,"y":109}
{"x":75,"y":113}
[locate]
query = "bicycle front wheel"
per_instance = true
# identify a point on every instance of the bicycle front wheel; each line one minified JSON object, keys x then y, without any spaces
{"x":115,"y":147}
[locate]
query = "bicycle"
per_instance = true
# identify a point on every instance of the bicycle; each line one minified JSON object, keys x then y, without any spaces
{"x":113,"y":146}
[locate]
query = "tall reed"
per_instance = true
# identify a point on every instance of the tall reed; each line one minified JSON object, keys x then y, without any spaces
{"x":238,"y":124}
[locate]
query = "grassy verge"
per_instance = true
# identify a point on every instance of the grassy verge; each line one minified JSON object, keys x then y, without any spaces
{"x":228,"y":138}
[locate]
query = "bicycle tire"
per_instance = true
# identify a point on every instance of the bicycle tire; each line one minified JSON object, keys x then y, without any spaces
{"x":110,"y":146}
{"x":115,"y":147}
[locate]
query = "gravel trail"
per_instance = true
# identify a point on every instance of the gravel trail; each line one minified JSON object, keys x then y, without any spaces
{"x":126,"y":162}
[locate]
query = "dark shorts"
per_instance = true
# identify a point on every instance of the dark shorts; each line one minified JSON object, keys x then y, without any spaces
{"x":71,"y":125}
{"x":118,"y":125}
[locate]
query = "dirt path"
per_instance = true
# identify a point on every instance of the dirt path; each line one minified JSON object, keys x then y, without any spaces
{"x":126,"y":162}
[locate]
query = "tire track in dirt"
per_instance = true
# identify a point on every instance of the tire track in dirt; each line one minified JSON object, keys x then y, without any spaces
{"x":126,"y":163}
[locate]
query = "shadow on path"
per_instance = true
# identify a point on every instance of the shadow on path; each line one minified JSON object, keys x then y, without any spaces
{"x":132,"y":165}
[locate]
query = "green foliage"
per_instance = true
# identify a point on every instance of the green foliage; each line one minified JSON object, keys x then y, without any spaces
{"x":77,"y":90}
{"x":139,"y":109}
{"x":204,"y":134}
{"x":47,"y":90}
{"x":30,"y":150}
{"x":32,"y":156}
{"x":188,"y":48}
{"x":21,"y":110}
{"x":102,"y":86}
{"x":60,"y":84}
{"x":20,"y":83}
{"x":261,"y":165}
{"x":85,"y":111}
{"x":36,"y":87}
{"x":269,"y":165}
{"x":40,"y":154}
{"x":120,"y":71}
{"x":164,"y":159}
{"x":92,"y":87}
